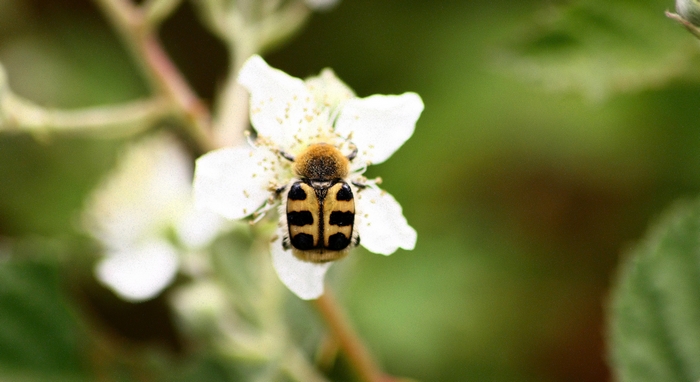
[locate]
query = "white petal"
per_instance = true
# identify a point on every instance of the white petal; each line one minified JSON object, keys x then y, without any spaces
{"x":303,"y":278}
{"x":321,"y":5}
{"x":328,"y":89}
{"x":379,"y":124}
{"x":145,"y":192}
{"x":234,"y":182}
{"x":197,"y":228}
{"x":139,"y":273}
{"x":281,"y":107}
{"x":201,"y":303}
{"x":381,"y":225}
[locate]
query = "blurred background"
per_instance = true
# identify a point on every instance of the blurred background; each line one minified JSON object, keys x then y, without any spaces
{"x":554,"y":132}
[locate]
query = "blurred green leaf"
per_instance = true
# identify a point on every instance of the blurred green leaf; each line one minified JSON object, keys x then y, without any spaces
{"x":656,"y":306}
{"x":599,"y":47}
{"x":40,"y":337}
{"x":45,"y":184}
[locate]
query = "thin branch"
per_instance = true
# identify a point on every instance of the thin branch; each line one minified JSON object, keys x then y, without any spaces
{"x":327,"y":352}
{"x":19,"y":114}
{"x":687,"y":24}
{"x":196,"y":114}
{"x":156,"y":11}
{"x":357,"y":354}
{"x":232,"y":105}
{"x":164,"y":76}
{"x":297,"y":367}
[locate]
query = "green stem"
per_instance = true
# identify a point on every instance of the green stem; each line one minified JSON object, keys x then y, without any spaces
{"x":232,"y":107}
{"x":129,"y":118}
{"x":687,"y":24}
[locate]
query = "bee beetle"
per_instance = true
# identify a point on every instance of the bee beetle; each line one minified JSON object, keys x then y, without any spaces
{"x":320,"y":205}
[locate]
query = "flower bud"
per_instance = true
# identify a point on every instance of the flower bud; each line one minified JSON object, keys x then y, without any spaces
{"x":200,"y":306}
{"x":689,"y":10}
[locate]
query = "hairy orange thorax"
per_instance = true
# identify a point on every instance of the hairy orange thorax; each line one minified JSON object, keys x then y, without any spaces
{"x":321,"y":161}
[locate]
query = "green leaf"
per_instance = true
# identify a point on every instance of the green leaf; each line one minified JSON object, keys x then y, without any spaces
{"x":39,"y":336}
{"x":598,"y":47}
{"x":655,"y":326}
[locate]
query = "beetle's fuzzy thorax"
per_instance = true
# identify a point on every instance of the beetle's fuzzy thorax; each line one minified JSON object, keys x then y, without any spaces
{"x":321,"y":162}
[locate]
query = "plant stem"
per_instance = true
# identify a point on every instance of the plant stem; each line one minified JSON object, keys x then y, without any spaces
{"x":357,"y":354}
{"x":232,"y":107}
{"x":297,"y":367}
{"x":132,"y":117}
{"x":163,"y":75}
{"x":687,"y":24}
{"x":196,"y":114}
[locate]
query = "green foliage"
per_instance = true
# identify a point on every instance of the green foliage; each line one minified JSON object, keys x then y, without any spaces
{"x":598,"y":47}
{"x":521,"y":199}
{"x":40,"y":338}
{"x":60,"y":176}
{"x":656,"y":307}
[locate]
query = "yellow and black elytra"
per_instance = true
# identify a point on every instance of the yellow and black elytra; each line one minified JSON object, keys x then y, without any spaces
{"x":320,"y":206}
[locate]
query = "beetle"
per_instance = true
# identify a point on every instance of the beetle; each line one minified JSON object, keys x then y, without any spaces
{"x":320,"y":205}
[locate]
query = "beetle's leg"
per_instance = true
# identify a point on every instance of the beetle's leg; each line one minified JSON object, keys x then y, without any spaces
{"x":280,"y":190}
{"x":353,"y":154}
{"x":287,"y":155}
{"x":285,"y":243}
{"x":359,"y":184}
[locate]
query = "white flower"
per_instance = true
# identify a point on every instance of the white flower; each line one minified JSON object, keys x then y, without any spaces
{"x":690,"y":10}
{"x":321,"y":5}
{"x":288,"y":115}
{"x":145,"y":201}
